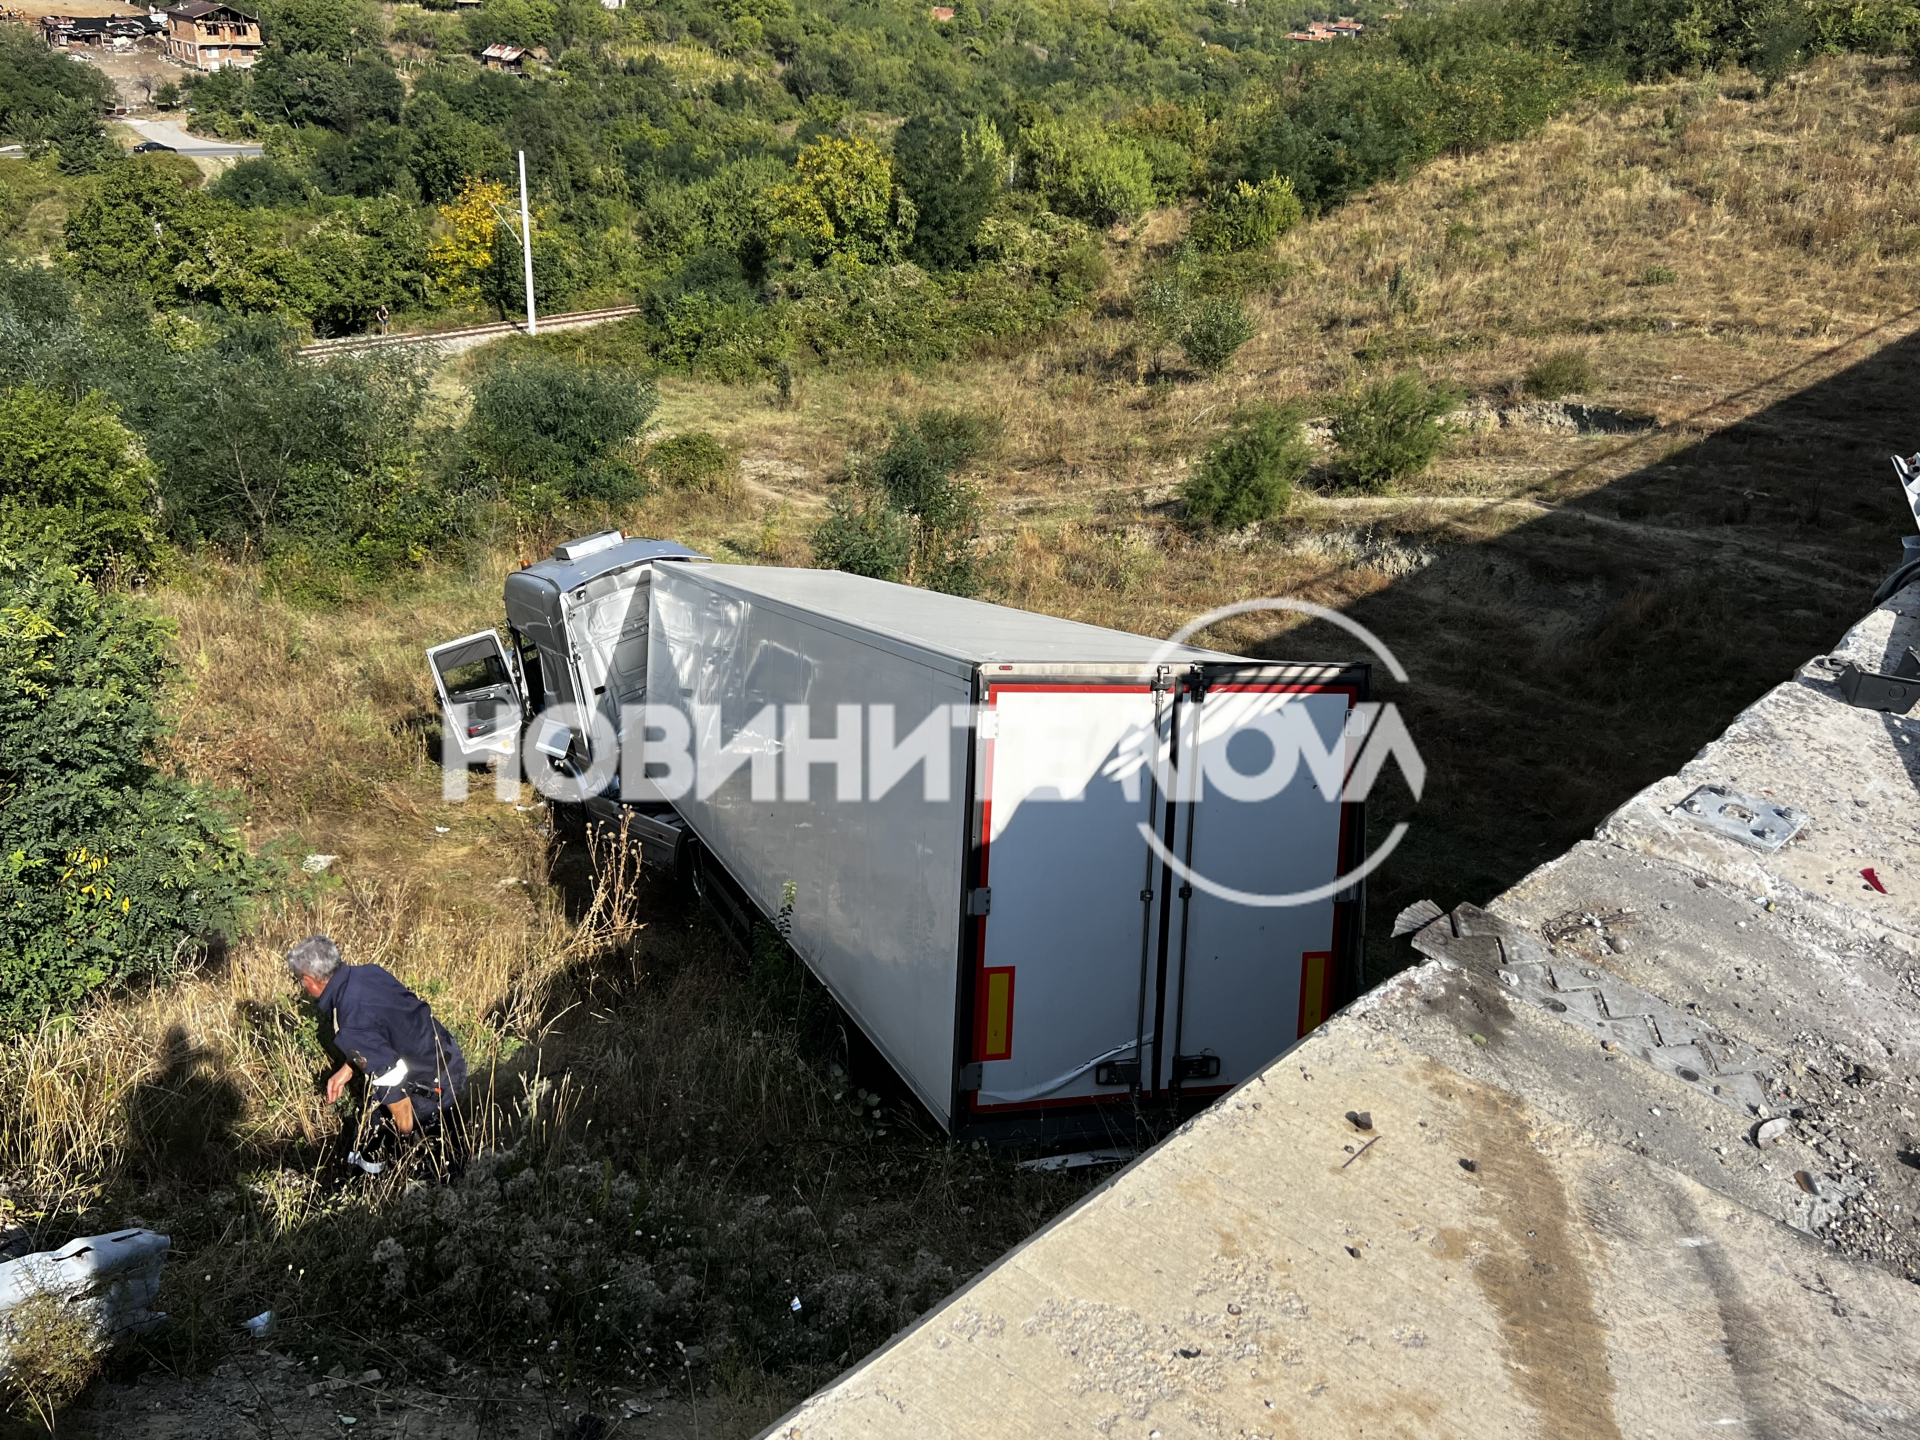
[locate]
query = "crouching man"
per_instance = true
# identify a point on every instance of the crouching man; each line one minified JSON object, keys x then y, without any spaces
{"x":413,"y":1066}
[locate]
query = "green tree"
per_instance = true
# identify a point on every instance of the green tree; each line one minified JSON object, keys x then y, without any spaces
{"x":544,"y":427}
{"x":74,"y":485}
{"x":244,"y":421}
{"x":952,"y":188}
{"x":1245,"y":217}
{"x":1082,"y":171}
{"x":442,"y":148}
{"x":37,"y":85}
{"x":340,"y":28}
{"x":512,"y":22}
{"x":110,"y":870}
{"x":260,"y":185}
{"x":1248,"y":474}
{"x":842,"y":203}
{"x":503,"y":284}
{"x":74,"y":134}
{"x":135,"y":227}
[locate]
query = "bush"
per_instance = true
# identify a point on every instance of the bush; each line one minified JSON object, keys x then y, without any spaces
{"x":564,"y":428}
{"x":915,"y":474}
{"x":1215,"y":329}
{"x":902,"y":515}
{"x":1246,"y":217}
{"x":692,"y":461}
{"x":112,"y":870}
{"x":1564,"y":372}
{"x":1390,"y":430}
{"x":51,"y":1356}
{"x":1083,"y":172}
{"x":1249,"y":473}
{"x":260,"y":185}
{"x":951,"y":190}
{"x":243,"y":426}
{"x":74,"y":486}
{"x":864,"y":535}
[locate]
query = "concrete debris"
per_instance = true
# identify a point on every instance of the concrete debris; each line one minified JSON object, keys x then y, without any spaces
{"x":314,"y":864}
{"x":1078,"y":1160}
{"x":1416,"y":916}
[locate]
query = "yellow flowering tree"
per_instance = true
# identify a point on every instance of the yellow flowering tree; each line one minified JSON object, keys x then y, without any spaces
{"x":465,"y":247}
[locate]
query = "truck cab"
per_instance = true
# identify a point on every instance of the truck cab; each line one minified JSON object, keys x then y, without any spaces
{"x":576,"y":651}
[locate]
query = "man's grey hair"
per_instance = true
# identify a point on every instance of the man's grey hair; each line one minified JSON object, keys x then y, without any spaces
{"x":316,"y":956}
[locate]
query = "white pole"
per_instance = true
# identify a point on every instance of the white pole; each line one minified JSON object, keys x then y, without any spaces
{"x":526,"y":245}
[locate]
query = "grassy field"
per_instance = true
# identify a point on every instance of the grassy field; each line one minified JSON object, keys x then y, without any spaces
{"x":692,"y":1135}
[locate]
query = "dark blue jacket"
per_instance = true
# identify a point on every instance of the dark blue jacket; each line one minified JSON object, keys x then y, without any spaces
{"x":378,"y":1024}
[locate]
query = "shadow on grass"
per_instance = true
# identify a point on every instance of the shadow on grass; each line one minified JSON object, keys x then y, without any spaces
{"x":1565,"y":664}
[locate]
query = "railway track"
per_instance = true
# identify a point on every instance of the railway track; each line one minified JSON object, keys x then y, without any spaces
{"x":454,"y":341}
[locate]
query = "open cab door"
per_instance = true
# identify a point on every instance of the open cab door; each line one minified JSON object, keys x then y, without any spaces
{"x":480,"y":701}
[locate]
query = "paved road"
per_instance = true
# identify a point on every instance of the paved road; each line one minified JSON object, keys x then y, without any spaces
{"x":168,"y":133}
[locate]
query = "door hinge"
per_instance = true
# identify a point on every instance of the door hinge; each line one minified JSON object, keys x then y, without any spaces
{"x":1186,"y":892}
{"x":980,"y":900}
{"x":972,"y":1076}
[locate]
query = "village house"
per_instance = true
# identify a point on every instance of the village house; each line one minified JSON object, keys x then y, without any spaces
{"x":209,"y":36}
{"x":1319,"y":32}
{"x":503,"y":57}
{"x":60,"y":31}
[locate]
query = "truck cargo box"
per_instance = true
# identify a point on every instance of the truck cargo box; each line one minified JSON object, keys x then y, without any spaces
{"x":1008,"y":838}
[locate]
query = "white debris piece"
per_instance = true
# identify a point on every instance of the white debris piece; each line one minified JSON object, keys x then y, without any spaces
{"x":110,"y":1281}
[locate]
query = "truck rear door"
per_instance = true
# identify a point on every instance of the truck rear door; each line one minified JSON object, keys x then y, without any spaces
{"x":480,"y":702}
{"x":1259,"y":923}
{"x":1064,"y":872}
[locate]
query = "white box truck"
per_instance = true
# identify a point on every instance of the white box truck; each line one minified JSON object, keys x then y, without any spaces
{"x":1036,"y":861}
{"x":1052,"y":871}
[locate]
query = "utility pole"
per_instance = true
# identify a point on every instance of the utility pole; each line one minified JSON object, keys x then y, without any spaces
{"x":526,"y":245}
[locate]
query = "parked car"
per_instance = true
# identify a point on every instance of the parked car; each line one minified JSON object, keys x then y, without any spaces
{"x":151,"y":147}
